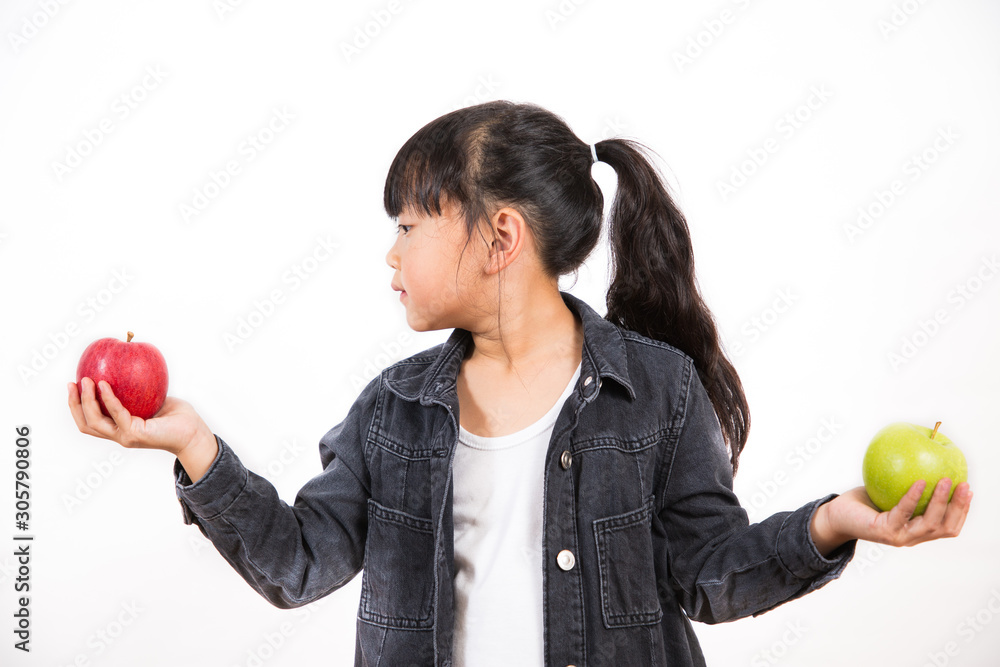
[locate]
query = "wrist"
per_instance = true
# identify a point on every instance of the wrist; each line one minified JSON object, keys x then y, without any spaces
{"x":202,"y":440}
{"x":823,"y":530}
{"x":197,"y":455}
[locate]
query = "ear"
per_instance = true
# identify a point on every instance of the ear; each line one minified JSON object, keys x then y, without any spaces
{"x":511,"y":235}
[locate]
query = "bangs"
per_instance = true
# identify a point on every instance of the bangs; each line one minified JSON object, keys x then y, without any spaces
{"x":430,"y":167}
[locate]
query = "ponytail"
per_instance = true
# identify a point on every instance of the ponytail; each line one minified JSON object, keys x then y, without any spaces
{"x":653,"y":289}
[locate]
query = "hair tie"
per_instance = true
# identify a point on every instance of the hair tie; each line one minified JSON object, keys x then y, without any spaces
{"x":593,"y":150}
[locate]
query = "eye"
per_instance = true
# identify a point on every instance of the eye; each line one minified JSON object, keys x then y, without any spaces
{"x":405,"y":228}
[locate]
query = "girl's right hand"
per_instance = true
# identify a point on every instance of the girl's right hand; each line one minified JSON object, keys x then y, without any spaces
{"x":176,"y":428}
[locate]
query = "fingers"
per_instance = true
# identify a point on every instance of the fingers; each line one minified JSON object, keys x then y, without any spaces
{"x":901,"y":513}
{"x":75,"y":408}
{"x":77,"y":400}
{"x":96,"y":422}
{"x":938,"y":503}
{"x":958,"y":510}
{"x":942,"y":518}
{"x":118,"y":412}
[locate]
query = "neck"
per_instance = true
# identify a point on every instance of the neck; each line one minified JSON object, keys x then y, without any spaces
{"x":537,"y":326}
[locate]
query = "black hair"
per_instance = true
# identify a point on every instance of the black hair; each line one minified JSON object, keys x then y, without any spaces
{"x":504,"y":154}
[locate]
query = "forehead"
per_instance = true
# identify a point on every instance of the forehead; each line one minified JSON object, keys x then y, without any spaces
{"x":449,"y":213}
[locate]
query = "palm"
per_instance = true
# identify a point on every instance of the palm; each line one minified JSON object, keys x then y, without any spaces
{"x":175,"y":423}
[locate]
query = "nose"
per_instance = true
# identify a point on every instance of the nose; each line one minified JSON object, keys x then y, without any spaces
{"x":392,"y":257}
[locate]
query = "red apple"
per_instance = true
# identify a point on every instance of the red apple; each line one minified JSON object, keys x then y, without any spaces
{"x":136,"y":372}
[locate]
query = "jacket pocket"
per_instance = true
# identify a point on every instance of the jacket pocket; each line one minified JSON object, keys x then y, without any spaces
{"x":625,"y":560}
{"x":397,"y":583}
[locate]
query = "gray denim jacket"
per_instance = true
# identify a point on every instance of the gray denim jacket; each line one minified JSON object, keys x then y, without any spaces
{"x":638,"y":489}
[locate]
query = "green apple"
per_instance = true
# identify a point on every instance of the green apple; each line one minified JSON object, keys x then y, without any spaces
{"x":901,"y":454}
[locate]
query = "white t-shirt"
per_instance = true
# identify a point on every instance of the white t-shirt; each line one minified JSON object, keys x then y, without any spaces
{"x":498,"y":484}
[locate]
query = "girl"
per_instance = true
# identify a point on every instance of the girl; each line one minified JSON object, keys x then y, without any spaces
{"x":506,"y":507}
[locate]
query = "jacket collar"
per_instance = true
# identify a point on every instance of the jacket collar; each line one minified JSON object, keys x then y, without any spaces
{"x":604,"y":356}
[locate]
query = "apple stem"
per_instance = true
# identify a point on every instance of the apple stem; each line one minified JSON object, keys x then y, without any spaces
{"x":130,"y":334}
{"x":934,"y":432}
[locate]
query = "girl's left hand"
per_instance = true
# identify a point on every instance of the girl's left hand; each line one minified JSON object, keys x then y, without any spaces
{"x":852,"y":515}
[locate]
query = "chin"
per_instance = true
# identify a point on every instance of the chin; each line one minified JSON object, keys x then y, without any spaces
{"x":414,"y":324}
{"x":423,"y":321}
{"x":423,"y":325}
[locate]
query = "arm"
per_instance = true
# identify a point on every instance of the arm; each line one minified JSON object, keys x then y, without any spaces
{"x":290,"y":554}
{"x":720,"y":567}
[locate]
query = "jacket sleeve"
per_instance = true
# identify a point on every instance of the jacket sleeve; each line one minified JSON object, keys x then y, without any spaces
{"x":720,"y":567}
{"x":294,"y":554}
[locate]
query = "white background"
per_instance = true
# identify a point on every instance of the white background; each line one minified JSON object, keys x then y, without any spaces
{"x":894,"y":77}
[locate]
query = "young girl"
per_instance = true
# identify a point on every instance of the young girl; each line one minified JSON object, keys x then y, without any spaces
{"x":548,"y":486}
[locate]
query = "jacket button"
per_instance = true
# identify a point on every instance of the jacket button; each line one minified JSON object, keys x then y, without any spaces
{"x":587,"y":381}
{"x":565,"y":559}
{"x":566,"y":460}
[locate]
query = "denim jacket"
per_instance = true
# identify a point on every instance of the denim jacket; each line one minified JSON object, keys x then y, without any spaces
{"x":641,"y":531}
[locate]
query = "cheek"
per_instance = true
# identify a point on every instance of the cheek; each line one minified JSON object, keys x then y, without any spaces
{"x":436,"y":285}
{"x":418,"y":276}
